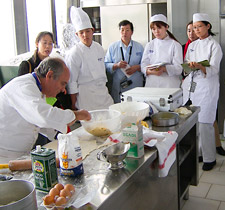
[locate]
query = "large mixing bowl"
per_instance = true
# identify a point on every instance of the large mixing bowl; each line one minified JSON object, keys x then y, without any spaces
{"x":103,"y":122}
{"x":17,"y":195}
{"x":140,"y":110}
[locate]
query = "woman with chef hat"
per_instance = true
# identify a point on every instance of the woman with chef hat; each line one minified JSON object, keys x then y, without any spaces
{"x":164,"y":50}
{"x":85,"y":60}
{"x":201,"y":86}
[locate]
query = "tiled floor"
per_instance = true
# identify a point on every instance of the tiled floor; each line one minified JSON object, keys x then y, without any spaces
{"x":210,"y":192}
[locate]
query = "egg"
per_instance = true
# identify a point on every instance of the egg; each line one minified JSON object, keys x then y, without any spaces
{"x":65,"y":193}
{"x":59,"y":186}
{"x":60,"y":201}
{"x":70,"y":188}
{"x":48,"y":200}
{"x":54,"y":192}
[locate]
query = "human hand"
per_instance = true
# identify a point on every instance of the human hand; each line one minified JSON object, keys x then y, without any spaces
{"x":195,"y":65}
{"x":82,"y":115}
{"x":156,"y":71}
{"x":122,"y":64}
{"x":131,"y":70}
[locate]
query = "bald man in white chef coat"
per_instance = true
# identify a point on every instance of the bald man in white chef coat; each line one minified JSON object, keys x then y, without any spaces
{"x":24,"y":111}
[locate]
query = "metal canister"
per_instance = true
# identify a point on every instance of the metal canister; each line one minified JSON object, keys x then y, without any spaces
{"x":44,"y":168}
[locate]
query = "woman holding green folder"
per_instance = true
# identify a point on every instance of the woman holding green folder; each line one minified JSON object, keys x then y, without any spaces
{"x":201,"y":86}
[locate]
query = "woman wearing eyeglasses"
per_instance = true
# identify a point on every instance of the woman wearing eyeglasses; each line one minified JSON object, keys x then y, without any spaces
{"x":201,"y":86}
{"x":44,"y":45}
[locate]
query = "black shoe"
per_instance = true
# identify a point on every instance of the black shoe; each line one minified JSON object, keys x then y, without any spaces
{"x":200,"y":159}
{"x":208,"y":166}
{"x":220,"y":151}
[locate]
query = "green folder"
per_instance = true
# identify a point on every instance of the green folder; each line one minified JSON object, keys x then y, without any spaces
{"x":188,"y":70}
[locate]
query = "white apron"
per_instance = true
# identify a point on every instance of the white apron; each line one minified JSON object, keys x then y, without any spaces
{"x":163,"y":51}
{"x":206,"y":96}
{"x":206,"y":93}
{"x":93,"y":94}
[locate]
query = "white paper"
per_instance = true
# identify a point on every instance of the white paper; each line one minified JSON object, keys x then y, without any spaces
{"x":124,"y":70}
{"x":157,"y":65}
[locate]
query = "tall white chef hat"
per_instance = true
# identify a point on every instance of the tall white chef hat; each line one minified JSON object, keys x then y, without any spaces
{"x":80,"y":19}
{"x":159,"y":17}
{"x":200,"y":17}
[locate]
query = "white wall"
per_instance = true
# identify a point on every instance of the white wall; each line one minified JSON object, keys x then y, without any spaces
{"x":211,"y":7}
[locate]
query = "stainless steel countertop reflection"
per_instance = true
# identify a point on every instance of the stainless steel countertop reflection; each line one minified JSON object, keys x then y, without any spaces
{"x":112,"y":181}
{"x":96,"y":171}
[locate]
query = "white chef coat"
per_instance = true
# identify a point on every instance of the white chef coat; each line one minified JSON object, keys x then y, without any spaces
{"x":23,"y":111}
{"x":206,"y":93}
{"x":163,"y":50}
{"x":88,"y":76}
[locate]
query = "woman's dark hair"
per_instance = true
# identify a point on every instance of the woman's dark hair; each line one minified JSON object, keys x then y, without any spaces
{"x":159,"y":24}
{"x":190,"y":23}
{"x":210,"y":29}
{"x":126,"y":22}
{"x":38,"y":38}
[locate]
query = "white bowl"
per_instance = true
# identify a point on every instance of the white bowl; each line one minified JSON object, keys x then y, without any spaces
{"x":103,"y":122}
{"x":140,"y":110}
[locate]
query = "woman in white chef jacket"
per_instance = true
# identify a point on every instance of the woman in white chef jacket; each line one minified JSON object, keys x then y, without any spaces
{"x":202,"y":86}
{"x":85,"y":60}
{"x":164,"y":48}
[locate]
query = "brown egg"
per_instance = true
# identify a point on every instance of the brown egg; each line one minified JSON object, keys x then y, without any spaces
{"x":70,"y":188}
{"x":65,"y":193}
{"x":48,"y":200}
{"x":54,"y":192}
{"x":60,"y":201}
{"x":59,"y":186}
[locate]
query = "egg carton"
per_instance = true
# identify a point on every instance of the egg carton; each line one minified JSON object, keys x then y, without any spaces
{"x":61,"y":207}
{"x":80,"y":199}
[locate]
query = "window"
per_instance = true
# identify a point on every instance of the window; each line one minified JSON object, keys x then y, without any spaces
{"x":61,"y":18}
{"x":7,"y":35}
{"x":38,"y":18}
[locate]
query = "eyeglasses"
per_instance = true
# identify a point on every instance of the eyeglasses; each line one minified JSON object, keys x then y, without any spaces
{"x":47,"y":43}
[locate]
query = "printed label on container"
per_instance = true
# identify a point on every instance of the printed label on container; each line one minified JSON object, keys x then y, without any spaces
{"x":44,"y":169}
{"x":70,"y":155}
{"x":134,"y":135}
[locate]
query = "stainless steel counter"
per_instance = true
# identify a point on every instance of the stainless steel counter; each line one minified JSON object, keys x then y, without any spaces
{"x":137,"y":186}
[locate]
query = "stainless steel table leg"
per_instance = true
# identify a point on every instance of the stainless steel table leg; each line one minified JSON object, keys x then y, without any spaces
{"x":186,"y":196}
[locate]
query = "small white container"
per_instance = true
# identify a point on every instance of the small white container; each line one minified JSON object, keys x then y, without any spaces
{"x":134,"y":135}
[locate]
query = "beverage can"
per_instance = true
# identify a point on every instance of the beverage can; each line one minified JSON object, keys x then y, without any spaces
{"x":44,"y":168}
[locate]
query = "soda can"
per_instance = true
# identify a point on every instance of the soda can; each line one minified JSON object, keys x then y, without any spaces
{"x":44,"y":168}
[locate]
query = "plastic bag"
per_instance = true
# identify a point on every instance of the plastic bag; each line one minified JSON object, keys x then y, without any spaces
{"x":70,"y":155}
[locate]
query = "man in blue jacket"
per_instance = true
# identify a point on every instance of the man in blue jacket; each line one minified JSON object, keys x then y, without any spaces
{"x":123,"y":60}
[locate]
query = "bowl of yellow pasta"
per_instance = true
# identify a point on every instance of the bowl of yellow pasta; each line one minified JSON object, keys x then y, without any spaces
{"x":103,"y":122}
